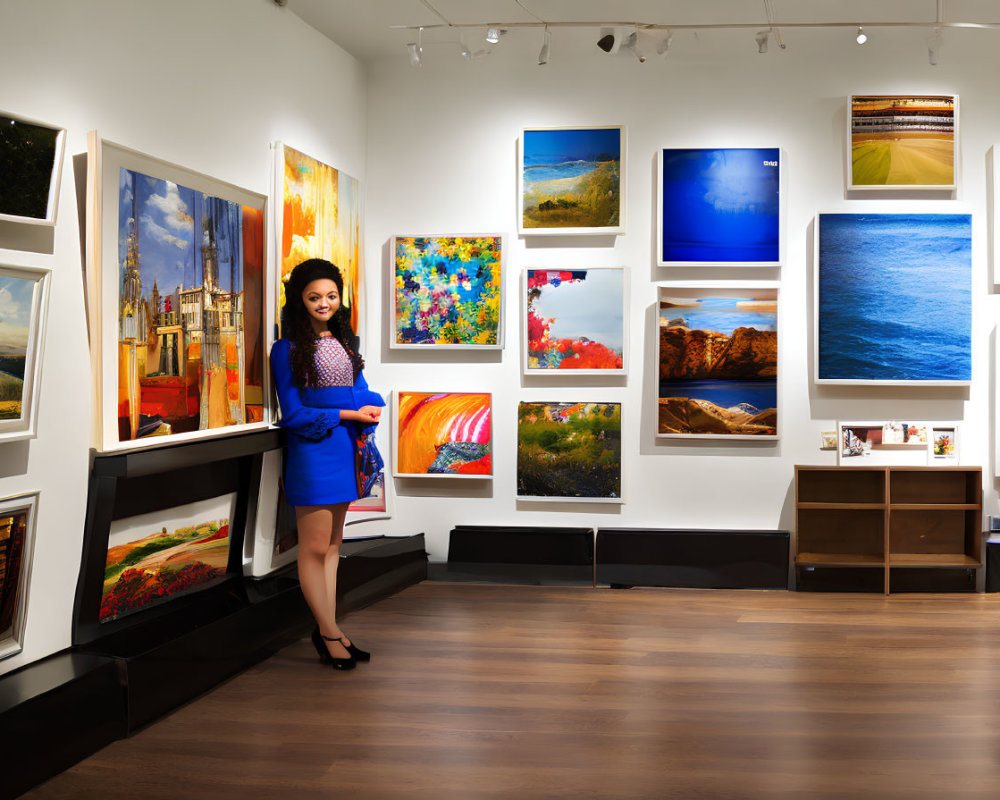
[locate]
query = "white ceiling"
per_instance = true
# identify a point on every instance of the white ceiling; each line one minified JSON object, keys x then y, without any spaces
{"x":364,"y":27}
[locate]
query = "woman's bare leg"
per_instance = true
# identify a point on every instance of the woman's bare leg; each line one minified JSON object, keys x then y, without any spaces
{"x":339,"y":514}
{"x":316,"y":538}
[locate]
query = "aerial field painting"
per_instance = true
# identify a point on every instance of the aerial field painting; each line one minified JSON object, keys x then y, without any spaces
{"x":903,"y":141}
{"x":445,"y":434}
{"x":570,"y":181}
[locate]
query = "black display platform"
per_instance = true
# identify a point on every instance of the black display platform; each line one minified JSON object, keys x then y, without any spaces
{"x":520,"y":554}
{"x":691,"y":558}
{"x":992,"y":566}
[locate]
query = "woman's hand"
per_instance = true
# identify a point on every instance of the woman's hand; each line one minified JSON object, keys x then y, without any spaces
{"x":368,"y":414}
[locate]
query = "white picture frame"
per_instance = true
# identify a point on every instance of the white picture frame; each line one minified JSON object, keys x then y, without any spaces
{"x":55,"y":179}
{"x":875,"y":448}
{"x":12,"y":639}
{"x":15,"y":281}
{"x":471,"y":430}
{"x":611,"y":278}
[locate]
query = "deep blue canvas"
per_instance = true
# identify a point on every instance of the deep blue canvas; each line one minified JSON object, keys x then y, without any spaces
{"x":895,"y":294}
{"x":720,"y":206}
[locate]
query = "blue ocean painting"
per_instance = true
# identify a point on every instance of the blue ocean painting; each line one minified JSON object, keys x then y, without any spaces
{"x":553,"y":154}
{"x":758,"y":395}
{"x":720,"y":206}
{"x":895,"y":295}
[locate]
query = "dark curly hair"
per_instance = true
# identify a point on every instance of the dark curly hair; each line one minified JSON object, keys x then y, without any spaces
{"x":296,"y":324}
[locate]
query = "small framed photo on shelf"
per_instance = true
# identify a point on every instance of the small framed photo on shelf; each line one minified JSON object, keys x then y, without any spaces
{"x":896,"y":443}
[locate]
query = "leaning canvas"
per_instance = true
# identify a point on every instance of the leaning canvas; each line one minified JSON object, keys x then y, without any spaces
{"x":719,"y":207}
{"x":23,"y":303}
{"x":893,"y":298}
{"x":443,"y":434}
{"x":447,"y":292}
{"x":572,"y":181}
{"x":17,"y":535}
{"x":31,"y":156}
{"x":175,"y":264}
{"x":569,"y":452}
{"x":718,"y":362}
{"x":906,"y":142}
{"x":575,"y":321}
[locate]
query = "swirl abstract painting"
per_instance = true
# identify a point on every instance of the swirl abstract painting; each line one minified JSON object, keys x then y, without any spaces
{"x":446,"y":434}
{"x":448,"y":292}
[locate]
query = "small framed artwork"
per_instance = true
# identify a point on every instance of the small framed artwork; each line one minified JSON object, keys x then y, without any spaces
{"x":944,"y":444}
{"x":443,"y":435}
{"x":569,"y":452}
{"x":902,"y":141}
{"x":176,"y":266}
{"x":893,"y":299}
{"x":31,"y":157}
{"x":275,"y":534}
{"x":378,"y":505}
{"x":719,"y":207}
{"x":575,"y":321}
{"x":571,"y":181}
{"x":447,"y":292}
{"x":828,"y":440}
{"x":17,"y":537}
{"x":895,"y":443}
{"x":23,"y":302}
{"x":718,"y":362}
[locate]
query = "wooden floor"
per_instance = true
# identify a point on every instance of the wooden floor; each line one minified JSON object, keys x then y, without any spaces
{"x":540,"y":692}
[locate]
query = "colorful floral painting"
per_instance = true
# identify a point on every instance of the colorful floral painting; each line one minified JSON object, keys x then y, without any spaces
{"x":320,"y":218}
{"x":575,"y":320}
{"x":569,"y":451}
{"x":448,"y":291}
{"x":444,"y":434}
{"x":153,"y":557}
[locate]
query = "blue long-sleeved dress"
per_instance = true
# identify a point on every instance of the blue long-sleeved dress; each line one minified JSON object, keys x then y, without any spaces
{"x":320,"y":465}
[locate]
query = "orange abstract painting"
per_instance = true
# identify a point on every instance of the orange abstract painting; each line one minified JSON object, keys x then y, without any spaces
{"x":447,"y":434}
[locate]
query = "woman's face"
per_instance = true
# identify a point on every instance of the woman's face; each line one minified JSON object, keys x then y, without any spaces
{"x":321,"y":299}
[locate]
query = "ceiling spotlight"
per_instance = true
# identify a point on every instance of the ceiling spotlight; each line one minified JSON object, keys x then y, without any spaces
{"x":632,"y":43}
{"x":761,"y":39}
{"x":416,"y":51}
{"x":610,"y":41}
{"x":493,"y":34}
{"x":862,"y":37}
{"x":543,"y":54}
{"x":664,"y":44}
{"x":934,"y":42}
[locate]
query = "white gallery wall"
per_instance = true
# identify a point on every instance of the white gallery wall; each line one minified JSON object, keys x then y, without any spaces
{"x":205,"y":84}
{"x":442,"y":160}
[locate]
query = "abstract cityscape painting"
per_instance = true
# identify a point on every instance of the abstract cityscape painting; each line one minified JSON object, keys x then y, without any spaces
{"x":23,"y":300}
{"x":718,"y":362}
{"x":893,"y":299}
{"x":570,"y":181}
{"x":720,"y":206}
{"x":902,"y":141}
{"x":445,"y":435}
{"x":569,"y":451}
{"x":575,"y":321}
{"x":320,"y":217}
{"x":31,"y":156}
{"x":176,"y":271}
{"x":448,"y":292}
{"x":155,"y":557}
{"x":17,"y":530}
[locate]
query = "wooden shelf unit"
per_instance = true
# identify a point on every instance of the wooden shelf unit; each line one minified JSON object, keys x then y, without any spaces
{"x":886,"y":518}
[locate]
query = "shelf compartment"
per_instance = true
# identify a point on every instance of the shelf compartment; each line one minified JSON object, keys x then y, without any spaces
{"x":845,"y":506}
{"x":859,"y":485}
{"x":838,"y":560}
{"x":844,"y":532}
{"x":933,"y":560}
{"x":942,"y":485}
{"x":934,"y":506}
{"x":946,"y":533}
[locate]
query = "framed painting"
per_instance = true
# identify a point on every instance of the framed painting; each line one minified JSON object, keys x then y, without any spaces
{"x":905,"y":142}
{"x":944,"y":443}
{"x":17,"y":538}
{"x":175,"y":264}
{"x":893,"y":299}
{"x":443,"y":435}
{"x":447,"y":292}
{"x":891,"y":442}
{"x":23,"y":302}
{"x":319,"y":217}
{"x":575,"y":321}
{"x":31,"y":157}
{"x":571,"y":181}
{"x":155,"y":557}
{"x":275,"y":535}
{"x":719,"y":207}
{"x":718,"y":362}
{"x":569,"y":452}
{"x":378,"y":505}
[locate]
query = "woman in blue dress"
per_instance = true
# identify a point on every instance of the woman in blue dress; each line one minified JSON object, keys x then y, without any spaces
{"x":325,"y":402}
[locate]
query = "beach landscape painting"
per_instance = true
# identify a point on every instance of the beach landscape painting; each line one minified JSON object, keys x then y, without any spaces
{"x":156,"y":556}
{"x":443,"y":434}
{"x":719,"y":206}
{"x":569,"y":452}
{"x":718,"y":354}
{"x":902,"y":142}
{"x":22,"y":307}
{"x":571,"y":181}
{"x":448,"y":292}
{"x":893,"y":299}
{"x":575,"y":321}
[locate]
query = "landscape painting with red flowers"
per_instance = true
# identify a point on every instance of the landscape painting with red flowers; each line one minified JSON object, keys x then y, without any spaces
{"x":575,"y":321}
{"x":154,"y":557}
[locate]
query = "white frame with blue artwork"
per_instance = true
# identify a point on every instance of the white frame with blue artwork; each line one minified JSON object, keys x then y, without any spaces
{"x":661,"y":262}
{"x":25,"y":426}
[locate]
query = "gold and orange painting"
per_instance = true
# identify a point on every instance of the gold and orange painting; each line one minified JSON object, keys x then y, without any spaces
{"x":447,"y":434}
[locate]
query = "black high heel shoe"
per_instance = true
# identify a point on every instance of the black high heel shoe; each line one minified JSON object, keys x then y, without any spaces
{"x":356,"y":652}
{"x":318,"y":640}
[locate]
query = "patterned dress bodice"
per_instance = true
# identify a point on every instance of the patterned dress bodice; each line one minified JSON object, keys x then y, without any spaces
{"x":333,"y":365}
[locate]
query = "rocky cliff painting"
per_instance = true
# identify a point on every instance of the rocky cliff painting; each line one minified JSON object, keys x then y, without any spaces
{"x":718,"y":362}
